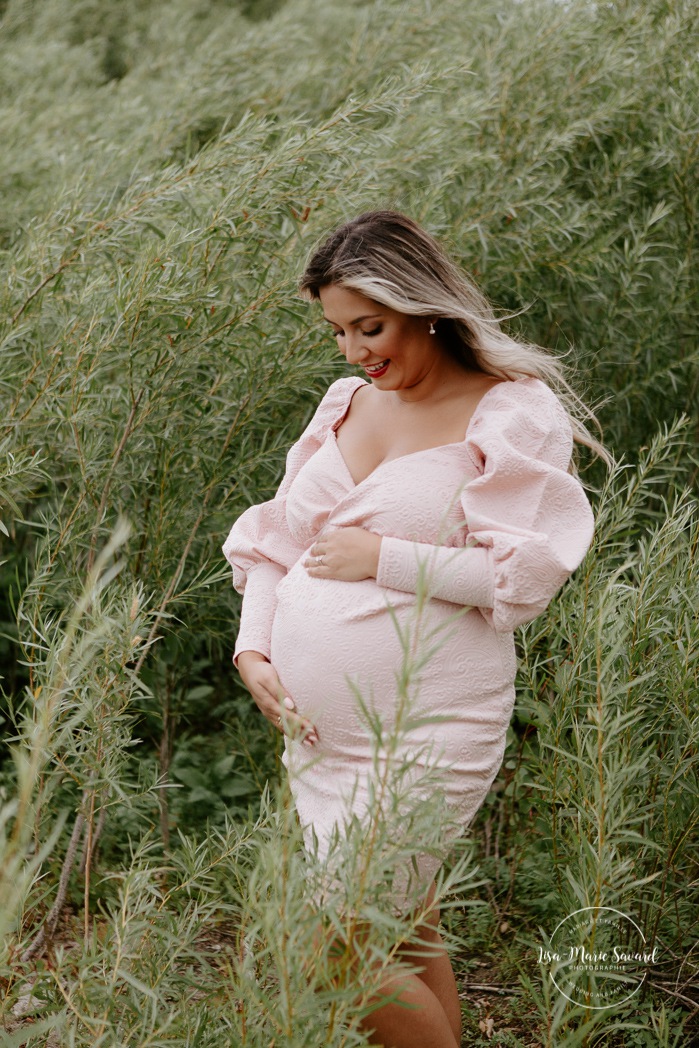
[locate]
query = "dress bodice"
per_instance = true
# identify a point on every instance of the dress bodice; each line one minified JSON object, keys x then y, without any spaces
{"x":414,"y":496}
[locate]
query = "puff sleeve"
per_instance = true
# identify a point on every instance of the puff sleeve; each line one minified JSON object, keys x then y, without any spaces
{"x":528,"y":516}
{"x":260,"y":547}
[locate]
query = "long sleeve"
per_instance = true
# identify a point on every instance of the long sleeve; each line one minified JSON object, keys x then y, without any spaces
{"x":528,"y":516}
{"x":260,"y":547}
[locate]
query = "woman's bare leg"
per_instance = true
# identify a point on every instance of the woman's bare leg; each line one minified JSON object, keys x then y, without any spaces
{"x":421,"y":1025}
{"x":437,"y":973}
{"x":434,"y":1020}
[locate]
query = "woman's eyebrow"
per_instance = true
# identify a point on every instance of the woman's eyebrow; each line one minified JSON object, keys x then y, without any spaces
{"x":352,"y":323}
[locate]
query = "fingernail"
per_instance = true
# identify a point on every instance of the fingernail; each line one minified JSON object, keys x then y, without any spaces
{"x":289,"y":703}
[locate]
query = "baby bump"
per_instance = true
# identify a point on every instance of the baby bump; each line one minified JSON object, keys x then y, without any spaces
{"x":334,"y":646}
{"x":341,"y":646}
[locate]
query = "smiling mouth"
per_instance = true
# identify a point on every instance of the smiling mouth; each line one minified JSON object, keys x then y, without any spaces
{"x":377,"y":367}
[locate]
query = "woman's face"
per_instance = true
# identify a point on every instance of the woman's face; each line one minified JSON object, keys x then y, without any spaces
{"x":395,"y":350}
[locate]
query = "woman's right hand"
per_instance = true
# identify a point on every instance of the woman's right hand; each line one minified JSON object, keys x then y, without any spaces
{"x":261,"y":680}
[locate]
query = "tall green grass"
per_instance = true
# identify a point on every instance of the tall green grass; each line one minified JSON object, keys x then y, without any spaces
{"x":166,"y":173}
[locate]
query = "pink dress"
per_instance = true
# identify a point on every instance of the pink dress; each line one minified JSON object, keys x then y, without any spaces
{"x":492,"y":525}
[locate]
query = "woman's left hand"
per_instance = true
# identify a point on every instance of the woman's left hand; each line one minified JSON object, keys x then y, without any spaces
{"x":350,"y":554}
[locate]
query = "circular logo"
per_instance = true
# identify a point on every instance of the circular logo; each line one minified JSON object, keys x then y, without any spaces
{"x":598,"y":957}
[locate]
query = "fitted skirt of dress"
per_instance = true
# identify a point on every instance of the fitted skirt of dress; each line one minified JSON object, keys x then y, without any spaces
{"x":341,"y":646}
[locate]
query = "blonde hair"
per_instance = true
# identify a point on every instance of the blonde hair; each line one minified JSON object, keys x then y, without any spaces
{"x":390,"y":259}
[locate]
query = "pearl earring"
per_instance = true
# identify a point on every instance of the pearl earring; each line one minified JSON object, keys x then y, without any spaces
{"x":432,"y":331}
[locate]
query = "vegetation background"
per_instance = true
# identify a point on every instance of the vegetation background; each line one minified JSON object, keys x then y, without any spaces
{"x":166,"y":168}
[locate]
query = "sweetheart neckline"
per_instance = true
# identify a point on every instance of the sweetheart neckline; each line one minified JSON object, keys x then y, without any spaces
{"x":410,"y":454}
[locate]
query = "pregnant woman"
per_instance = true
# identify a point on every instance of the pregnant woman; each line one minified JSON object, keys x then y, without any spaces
{"x":445,"y":464}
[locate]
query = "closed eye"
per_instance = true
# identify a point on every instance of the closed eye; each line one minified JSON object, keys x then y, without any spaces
{"x":366,"y":334}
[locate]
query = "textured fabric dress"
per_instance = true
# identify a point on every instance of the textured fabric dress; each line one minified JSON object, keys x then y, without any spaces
{"x":491,"y":526}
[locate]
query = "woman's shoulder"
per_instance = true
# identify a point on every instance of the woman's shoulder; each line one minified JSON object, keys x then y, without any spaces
{"x":342,"y":388}
{"x":335,"y":401}
{"x":522,"y":413}
{"x":525,"y":400}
